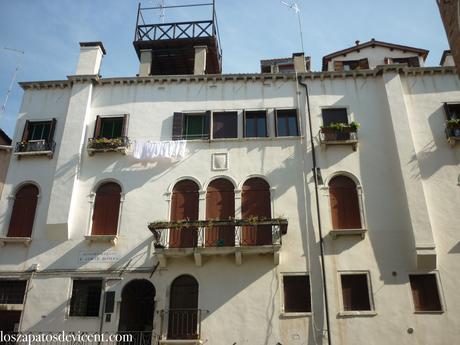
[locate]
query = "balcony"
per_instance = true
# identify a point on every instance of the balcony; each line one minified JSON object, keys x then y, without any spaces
{"x":35,"y":148}
{"x":236,"y":237}
{"x":119,"y":144}
{"x":344,"y":135}
{"x":180,"y":326}
{"x":453,"y":131}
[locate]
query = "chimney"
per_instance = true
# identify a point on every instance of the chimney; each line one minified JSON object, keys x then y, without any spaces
{"x":89,"y":62}
{"x":200,"y":60}
{"x":299,"y":62}
{"x":145,"y":66}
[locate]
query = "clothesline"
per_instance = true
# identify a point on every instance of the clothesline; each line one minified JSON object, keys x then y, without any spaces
{"x":151,"y":149}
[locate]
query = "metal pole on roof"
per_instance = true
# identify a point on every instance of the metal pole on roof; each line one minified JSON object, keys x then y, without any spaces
{"x":296,"y":9}
{"x":13,"y":79}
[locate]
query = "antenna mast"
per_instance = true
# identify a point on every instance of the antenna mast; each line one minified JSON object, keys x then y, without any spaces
{"x":13,"y":79}
{"x":296,"y":9}
{"x":161,"y":4}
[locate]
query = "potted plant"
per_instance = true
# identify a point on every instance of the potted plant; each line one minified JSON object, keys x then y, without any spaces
{"x":106,"y":143}
{"x":454,"y":127}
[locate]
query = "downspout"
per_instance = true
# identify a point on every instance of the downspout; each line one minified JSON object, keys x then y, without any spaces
{"x":315,"y":176}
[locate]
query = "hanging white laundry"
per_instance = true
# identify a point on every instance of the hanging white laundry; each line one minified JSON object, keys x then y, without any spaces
{"x":148,"y":150}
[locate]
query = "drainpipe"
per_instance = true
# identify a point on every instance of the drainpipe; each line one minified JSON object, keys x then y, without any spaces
{"x":315,"y":176}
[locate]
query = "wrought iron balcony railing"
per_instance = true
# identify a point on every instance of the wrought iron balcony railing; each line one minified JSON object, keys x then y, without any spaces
{"x":452,"y":135}
{"x":108,"y":144}
{"x":37,"y":147}
{"x":181,"y":324}
{"x":218,"y":233}
{"x":346,"y":136}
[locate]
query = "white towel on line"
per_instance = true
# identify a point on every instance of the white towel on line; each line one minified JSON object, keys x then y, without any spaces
{"x":147,"y":150}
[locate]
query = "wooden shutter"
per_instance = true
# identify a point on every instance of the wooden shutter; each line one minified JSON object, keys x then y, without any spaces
{"x":52,"y":130}
{"x":106,"y":209}
{"x":256,"y":203}
{"x":184,"y":206}
{"x":25,"y":133}
{"x":207,"y":124}
{"x":124,"y":131}
{"x":178,"y":126}
{"x":425,"y":292}
{"x":388,"y":61}
{"x":23,"y":214}
{"x":344,"y":202}
{"x":220,"y":205}
{"x":363,"y":63}
{"x":97,"y":127}
{"x":413,"y":61}
{"x":338,"y":65}
{"x":447,"y":111}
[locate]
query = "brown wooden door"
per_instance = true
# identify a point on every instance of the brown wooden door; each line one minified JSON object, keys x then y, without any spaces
{"x":23,"y":214}
{"x":106,"y":209}
{"x":344,"y":203}
{"x":256,"y":203}
{"x":184,"y":206}
{"x":220,"y":205}
{"x":183,"y":309}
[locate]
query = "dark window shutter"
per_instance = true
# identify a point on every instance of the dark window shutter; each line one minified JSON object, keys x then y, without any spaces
{"x":178,"y":126}
{"x":97,"y":127}
{"x":106,"y":209}
{"x":338,"y":65}
{"x":355,"y":292}
{"x":25,"y":133}
{"x":297,"y":297}
{"x":413,"y":61}
{"x":256,"y":203}
{"x":364,"y":63}
{"x":207,"y":124}
{"x":447,"y":111}
{"x":52,"y":130}
{"x":124,"y":131}
{"x":244,"y":124}
{"x":344,"y":203}
{"x":425,"y":292}
{"x":388,"y":61}
{"x":23,"y":214}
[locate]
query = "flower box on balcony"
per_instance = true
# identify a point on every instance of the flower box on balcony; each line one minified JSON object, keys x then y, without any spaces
{"x":340,"y":134}
{"x":35,"y":148}
{"x":119,"y":144}
{"x":453,"y":131}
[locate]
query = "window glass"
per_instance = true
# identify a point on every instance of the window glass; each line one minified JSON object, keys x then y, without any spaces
{"x":195,"y":127}
{"x":296,"y":294}
{"x":286,"y":123}
{"x":12,"y":291}
{"x":86,"y":297}
{"x":111,"y":127}
{"x":39,"y":130}
{"x":225,"y":125}
{"x":256,"y":124}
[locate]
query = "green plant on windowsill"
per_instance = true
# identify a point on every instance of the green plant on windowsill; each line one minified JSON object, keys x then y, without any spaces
{"x":106,"y":143}
{"x":340,"y":127}
{"x":453,"y":123}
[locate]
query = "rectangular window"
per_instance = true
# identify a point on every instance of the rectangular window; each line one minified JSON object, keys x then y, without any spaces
{"x":12,"y":291}
{"x":336,"y":115}
{"x":255,"y":124}
{"x":286,"y":123}
{"x":351,"y":65}
{"x":297,"y":297}
{"x":425,"y":292}
{"x":225,"y":125}
{"x":412,"y":61}
{"x":37,"y":136}
{"x":355,"y":292}
{"x":110,"y":127}
{"x":196,"y":126}
{"x":452,"y":111}
{"x":86,"y":297}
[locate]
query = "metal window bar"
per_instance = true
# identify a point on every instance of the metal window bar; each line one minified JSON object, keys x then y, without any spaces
{"x":181,"y":324}
{"x":12,"y":291}
{"x":35,"y":146}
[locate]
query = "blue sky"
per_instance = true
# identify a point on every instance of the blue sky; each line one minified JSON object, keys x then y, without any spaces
{"x":49,"y":31}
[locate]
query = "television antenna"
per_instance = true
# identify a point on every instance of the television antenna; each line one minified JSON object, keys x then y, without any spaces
{"x":13,"y":79}
{"x":293,"y":6}
{"x":161,"y":5}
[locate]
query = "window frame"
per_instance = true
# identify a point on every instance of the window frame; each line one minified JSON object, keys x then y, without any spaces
{"x":100,"y":118}
{"x":26,"y":129}
{"x":296,"y":110}
{"x":267,"y":132}
{"x":282,"y":296}
{"x":440,"y":293}
{"x":342,"y":311}
{"x":69,"y":303}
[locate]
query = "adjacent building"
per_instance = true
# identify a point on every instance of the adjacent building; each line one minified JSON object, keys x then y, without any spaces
{"x":5,"y":154}
{"x":450,"y":14}
{"x":187,"y":206}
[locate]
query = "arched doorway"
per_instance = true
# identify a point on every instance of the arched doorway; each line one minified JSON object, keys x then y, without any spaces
{"x":137,"y":310}
{"x":183,"y":308}
{"x":256,"y":203}
{"x":220,"y":205}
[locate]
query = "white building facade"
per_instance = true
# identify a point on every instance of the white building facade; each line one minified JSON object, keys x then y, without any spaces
{"x":78,"y":255}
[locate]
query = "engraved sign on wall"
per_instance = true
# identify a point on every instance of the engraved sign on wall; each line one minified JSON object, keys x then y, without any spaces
{"x":98,"y":258}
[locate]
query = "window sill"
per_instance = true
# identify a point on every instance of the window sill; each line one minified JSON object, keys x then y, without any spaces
{"x":5,"y":148}
{"x":113,"y":239}
{"x":351,"y":142}
{"x":49,"y":154}
{"x":363,"y":313}
{"x":348,"y":232}
{"x":14,"y":240}
{"x":430,"y":312}
{"x":287,"y":315}
{"x":217,"y":140}
{"x":122,"y":149}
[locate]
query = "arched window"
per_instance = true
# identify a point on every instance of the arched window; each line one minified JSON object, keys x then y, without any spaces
{"x":220,"y":205}
{"x":106,"y":209}
{"x":183,"y":308}
{"x":256,"y":203}
{"x":184,"y":206}
{"x":23,"y":214}
{"x":344,"y":203}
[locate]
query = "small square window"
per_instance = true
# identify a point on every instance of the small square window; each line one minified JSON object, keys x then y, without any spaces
{"x":12,"y":291}
{"x":255,"y":124}
{"x":286,"y":123}
{"x":110,"y":127}
{"x":425,"y":292}
{"x":297,"y":297}
{"x":355,"y":292}
{"x":86,"y":297}
{"x":225,"y":125}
